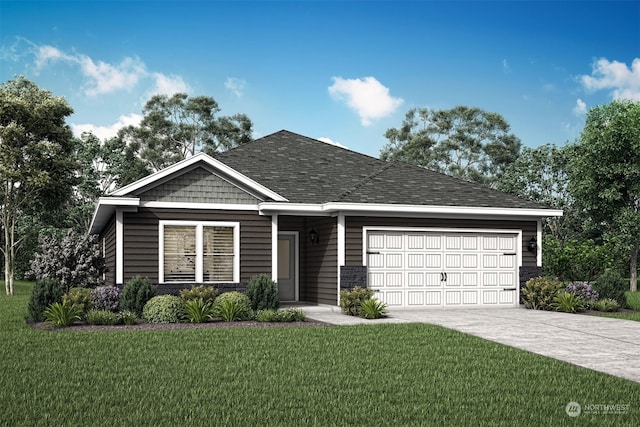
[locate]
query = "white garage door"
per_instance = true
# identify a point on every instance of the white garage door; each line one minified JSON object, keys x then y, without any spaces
{"x":413,"y":269}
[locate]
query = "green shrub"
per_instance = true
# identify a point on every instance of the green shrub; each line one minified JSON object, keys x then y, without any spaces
{"x":263,"y":293}
{"x":206,"y":293}
{"x":611,"y":285}
{"x":289,"y":315}
{"x":102,"y":317}
{"x":62,"y":314}
{"x":633,"y":300}
{"x":372,"y":309}
{"x":606,"y":304}
{"x":135,"y":294}
{"x":163,"y":309}
{"x":240,"y":307}
{"x":350,"y":300}
{"x":80,"y":297}
{"x":569,"y":302}
{"x":197,"y":310}
{"x":538,"y":293}
{"x":44,"y":293}
{"x":128,"y":317}
{"x":266,"y":315}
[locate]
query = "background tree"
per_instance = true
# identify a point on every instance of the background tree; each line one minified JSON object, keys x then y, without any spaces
{"x":177,"y":127}
{"x":540,"y":175}
{"x":605,"y":175}
{"x":465,"y":142}
{"x":36,"y":160}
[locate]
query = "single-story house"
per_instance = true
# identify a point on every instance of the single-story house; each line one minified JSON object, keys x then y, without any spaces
{"x":317,"y":218}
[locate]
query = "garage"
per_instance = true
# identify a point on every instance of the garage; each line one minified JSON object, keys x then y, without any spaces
{"x":441,"y":268}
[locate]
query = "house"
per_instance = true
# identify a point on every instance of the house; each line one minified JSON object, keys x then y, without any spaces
{"x":318,"y":218}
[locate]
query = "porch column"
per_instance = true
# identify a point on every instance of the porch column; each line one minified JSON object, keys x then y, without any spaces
{"x":119,"y":248}
{"x":274,"y":247}
{"x":341,"y":249}
{"x":539,"y":239}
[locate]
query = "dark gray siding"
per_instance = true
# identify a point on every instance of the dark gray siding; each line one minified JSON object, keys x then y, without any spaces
{"x":141,"y":239}
{"x":353,"y":255}
{"x":109,"y":236}
{"x":322,"y":262}
{"x":198,"y":186}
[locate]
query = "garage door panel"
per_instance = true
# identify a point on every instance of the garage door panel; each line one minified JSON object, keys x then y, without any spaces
{"x":415,"y":260}
{"x":416,"y":269}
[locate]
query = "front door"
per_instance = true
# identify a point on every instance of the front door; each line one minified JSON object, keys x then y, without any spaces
{"x":287,"y":272}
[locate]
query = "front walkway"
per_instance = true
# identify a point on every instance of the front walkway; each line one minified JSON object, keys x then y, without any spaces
{"x":603,"y":344}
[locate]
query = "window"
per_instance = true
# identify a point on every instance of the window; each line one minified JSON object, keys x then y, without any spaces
{"x":199,"y":252}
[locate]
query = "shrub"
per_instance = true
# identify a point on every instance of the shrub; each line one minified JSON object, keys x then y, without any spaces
{"x":127,"y":317}
{"x":240,"y":300}
{"x":206,"y":293}
{"x":611,"y":285}
{"x":102,"y":317}
{"x":350,"y":300}
{"x":197,"y":310}
{"x":74,"y":260}
{"x":163,"y":309}
{"x":584,"y":290}
{"x":135,"y":294}
{"x":62,"y":314}
{"x":606,"y":304}
{"x":44,"y":293}
{"x":105,"y":298}
{"x":80,"y":297}
{"x":289,"y":315}
{"x":372,"y":309}
{"x":263,"y":293}
{"x":266,"y":315}
{"x":576,"y":260}
{"x":568,"y":302}
{"x":228,"y":310}
{"x":538,"y":293}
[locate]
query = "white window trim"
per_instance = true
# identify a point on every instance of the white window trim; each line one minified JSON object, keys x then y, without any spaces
{"x":199,"y":255}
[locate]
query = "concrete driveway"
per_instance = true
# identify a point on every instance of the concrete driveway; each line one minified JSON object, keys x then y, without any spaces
{"x":607,"y":345}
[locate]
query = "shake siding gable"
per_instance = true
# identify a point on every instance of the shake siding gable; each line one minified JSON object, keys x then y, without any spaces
{"x":141,"y":239}
{"x":197,"y":185}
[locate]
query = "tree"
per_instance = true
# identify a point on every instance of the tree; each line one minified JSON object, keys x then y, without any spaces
{"x":605,"y":175}
{"x":540,"y":175}
{"x":36,"y":160}
{"x":465,"y":142}
{"x":177,"y":127}
{"x":74,"y":260}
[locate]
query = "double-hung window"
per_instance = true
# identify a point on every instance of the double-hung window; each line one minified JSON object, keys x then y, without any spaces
{"x":199,"y":252}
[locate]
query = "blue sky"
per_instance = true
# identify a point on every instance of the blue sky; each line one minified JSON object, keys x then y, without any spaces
{"x":345,"y":71}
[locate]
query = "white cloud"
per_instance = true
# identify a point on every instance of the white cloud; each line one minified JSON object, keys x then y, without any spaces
{"x":105,"y":132}
{"x":236,"y":86}
{"x":103,"y":78}
{"x":332,"y":142}
{"x":505,"y":67}
{"x":580,"y":108}
{"x":617,"y":76}
{"x":168,"y":85}
{"x":368,"y":97}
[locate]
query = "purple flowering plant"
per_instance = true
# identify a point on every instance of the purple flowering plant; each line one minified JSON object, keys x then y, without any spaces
{"x":584,"y":290}
{"x":105,"y":298}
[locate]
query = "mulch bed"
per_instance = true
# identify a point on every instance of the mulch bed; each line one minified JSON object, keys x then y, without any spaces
{"x":216,"y":324}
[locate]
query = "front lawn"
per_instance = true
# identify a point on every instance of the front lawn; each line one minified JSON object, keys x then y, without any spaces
{"x":379,"y":374}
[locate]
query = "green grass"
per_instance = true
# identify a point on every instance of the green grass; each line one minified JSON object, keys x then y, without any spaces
{"x":385,"y":374}
{"x":633,"y":300}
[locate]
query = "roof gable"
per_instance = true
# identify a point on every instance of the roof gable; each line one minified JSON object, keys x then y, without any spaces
{"x":206,"y":161}
{"x":197,"y":185}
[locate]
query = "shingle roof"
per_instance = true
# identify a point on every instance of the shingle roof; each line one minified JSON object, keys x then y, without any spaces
{"x":305,"y":170}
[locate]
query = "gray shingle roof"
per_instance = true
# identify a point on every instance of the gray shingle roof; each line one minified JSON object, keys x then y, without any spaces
{"x":305,"y":170}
